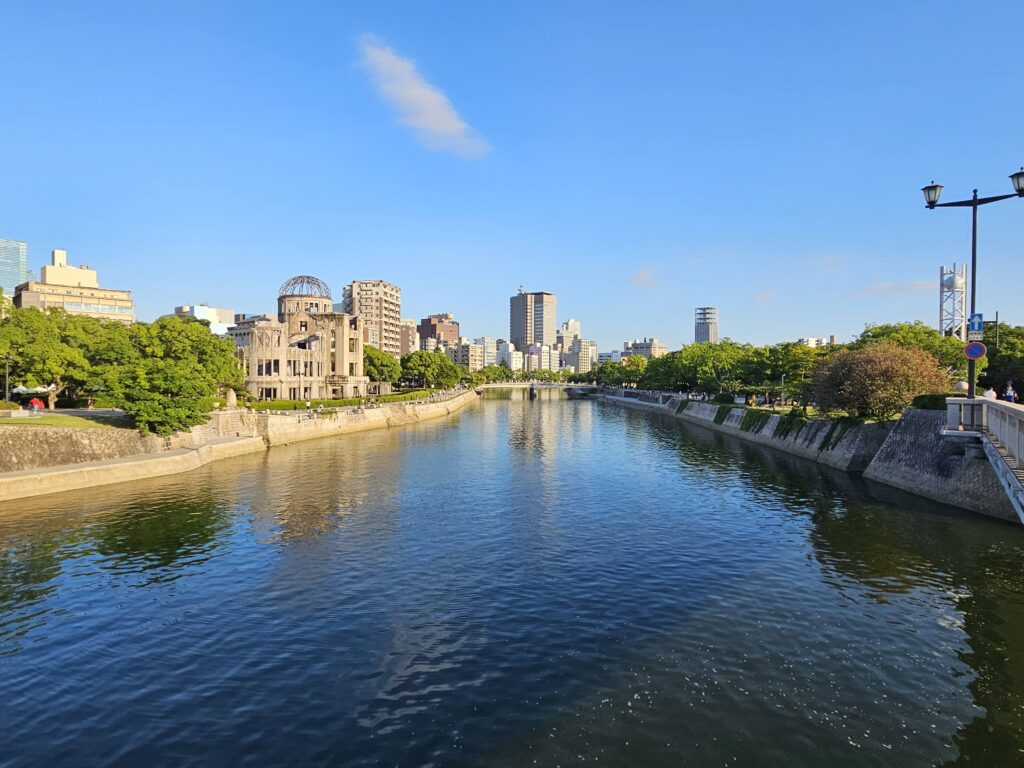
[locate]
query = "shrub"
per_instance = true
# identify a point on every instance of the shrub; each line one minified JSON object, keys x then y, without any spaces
{"x":754,"y":421}
{"x":795,"y":419}
{"x":876,"y":381}
{"x":933,"y":401}
{"x":8,"y":406}
{"x":724,"y":397}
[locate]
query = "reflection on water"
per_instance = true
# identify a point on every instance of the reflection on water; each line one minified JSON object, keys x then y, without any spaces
{"x":529,"y":582}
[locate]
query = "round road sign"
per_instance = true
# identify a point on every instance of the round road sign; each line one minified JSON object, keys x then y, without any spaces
{"x":975,"y":350}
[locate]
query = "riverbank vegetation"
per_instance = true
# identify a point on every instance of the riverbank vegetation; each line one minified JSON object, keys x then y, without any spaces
{"x":875,"y":376}
{"x":162,"y":374}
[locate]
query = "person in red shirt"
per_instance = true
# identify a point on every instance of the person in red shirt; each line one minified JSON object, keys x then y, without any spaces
{"x":36,"y":404}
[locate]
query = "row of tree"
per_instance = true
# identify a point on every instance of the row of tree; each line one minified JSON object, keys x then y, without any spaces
{"x":874,"y":376}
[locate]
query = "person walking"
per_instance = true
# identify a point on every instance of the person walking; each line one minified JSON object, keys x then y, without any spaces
{"x":990,"y":394}
{"x":1010,"y":394}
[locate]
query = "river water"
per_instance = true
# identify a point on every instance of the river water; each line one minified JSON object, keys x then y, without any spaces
{"x":526,"y":583}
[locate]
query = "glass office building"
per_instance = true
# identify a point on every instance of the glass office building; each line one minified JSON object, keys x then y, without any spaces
{"x":13,"y":265}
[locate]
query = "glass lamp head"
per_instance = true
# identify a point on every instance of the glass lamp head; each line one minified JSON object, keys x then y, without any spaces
{"x":931,"y":194}
{"x":1018,"y":181}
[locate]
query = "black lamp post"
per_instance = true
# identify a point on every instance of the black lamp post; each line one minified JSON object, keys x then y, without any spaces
{"x":931,"y":199}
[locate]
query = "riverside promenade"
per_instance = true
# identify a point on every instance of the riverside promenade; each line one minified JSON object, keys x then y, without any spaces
{"x":229,"y":433}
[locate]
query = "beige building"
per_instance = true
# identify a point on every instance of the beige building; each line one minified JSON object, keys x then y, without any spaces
{"x":649,"y":348}
{"x":408,"y":336}
{"x":466,"y":353}
{"x":76,"y":290}
{"x":379,"y":305}
{"x":308,"y":352}
{"x":582,"y":355}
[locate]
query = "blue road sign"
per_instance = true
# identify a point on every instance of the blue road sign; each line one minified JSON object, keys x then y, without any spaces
{"x":976,"y":324}
{"x":975,"y":350}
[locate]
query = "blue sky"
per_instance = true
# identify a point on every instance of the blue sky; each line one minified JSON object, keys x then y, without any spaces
{"x":637,"y":159}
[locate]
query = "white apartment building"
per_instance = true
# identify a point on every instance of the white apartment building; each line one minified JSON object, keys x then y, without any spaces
{"x":220,"y":319}
{"x":540,"y":357}
{"x":509,"y":356}
{"x":490,"y":349}
{"x":378,"y":304}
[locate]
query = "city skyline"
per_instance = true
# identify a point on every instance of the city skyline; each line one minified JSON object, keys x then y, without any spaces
{"x":648,"y":161}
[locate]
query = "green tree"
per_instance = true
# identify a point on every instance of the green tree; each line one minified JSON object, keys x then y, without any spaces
{"x":1005,"y":358}
{"x":178,"y":367}
{"x":380,"y":366}
{"x":41,"y":355}
{"x":948,"y":350}
{"x":430,"y":369}
{"x":633,"y":368}
{"x":876,"y":381}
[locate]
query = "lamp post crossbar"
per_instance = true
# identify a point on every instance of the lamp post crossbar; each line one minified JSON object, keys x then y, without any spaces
{"x":931,"y":198}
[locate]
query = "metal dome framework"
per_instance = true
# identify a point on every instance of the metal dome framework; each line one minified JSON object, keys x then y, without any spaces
{"x":304,"y":285}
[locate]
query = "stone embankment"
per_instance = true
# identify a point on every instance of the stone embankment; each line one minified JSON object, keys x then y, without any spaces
{"x":909,"y":454}
{"x":42,"y":460}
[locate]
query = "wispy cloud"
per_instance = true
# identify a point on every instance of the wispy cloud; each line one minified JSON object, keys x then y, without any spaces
{"x":696,"y":260}
{"x":895,"y":289}
{"x":826,"y":260}
{"x":419,"y":105}
{"x":645,"y":277}
{"x":765,"y":296}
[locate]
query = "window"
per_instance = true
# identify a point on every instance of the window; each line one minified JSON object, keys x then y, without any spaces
{"x":351,"y":369}
{"x":303,"y":326}
{"x":351,"y":345}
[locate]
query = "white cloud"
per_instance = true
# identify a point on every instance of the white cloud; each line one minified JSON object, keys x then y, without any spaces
{"x":894,"y":289}
{"x":419,"y":105}
{"x":644,"y":278}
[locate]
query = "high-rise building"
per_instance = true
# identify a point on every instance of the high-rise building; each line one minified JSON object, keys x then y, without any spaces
{"x":13,"y":265}
{"x":532,"y":319}
{"x":379,"y":304}
{"x":219,"y":319}
{"x":490,"y":349}
{"x":443,"y":327}
{"x":76,"y":290}
{"x":408,"y":336}
{"x":705,"y":327}
{"x":649,"y":348}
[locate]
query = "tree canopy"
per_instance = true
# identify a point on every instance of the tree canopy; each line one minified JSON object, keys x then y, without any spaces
{"x":430,"y":369}
{"x":380,"y":366}
{"x":162,"y":373}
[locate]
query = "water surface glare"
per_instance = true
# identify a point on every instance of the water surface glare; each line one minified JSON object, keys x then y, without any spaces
{"x":526,"y":583}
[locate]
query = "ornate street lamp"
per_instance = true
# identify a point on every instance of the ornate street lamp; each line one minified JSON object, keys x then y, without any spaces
{"x":931,"y":200}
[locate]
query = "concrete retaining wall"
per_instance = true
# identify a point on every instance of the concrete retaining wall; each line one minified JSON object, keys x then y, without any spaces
{"x":837,"y":444}
{"x":916,"y":458}
{"x":124,"y":455}
{"x":909,"y":454}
